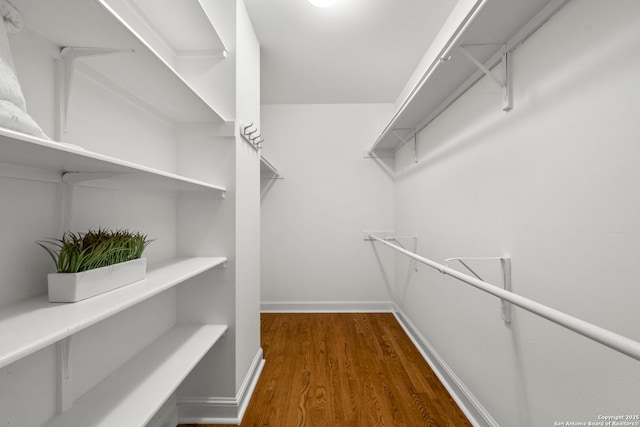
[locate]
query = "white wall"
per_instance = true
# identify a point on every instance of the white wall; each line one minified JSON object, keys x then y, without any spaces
{"x":248,"y":199}
{"x":553,"y":184}
{"x":312,"y":220}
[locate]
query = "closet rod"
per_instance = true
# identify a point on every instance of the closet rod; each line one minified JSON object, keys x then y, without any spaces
{"x":603,"y":336}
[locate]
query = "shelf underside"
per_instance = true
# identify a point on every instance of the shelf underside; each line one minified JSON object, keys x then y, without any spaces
{"x":135,"y":391}
{"x":138,"y":70}
{"x":494,"y":25}
{"x":33,"y":324}
{"x":168,"y":19}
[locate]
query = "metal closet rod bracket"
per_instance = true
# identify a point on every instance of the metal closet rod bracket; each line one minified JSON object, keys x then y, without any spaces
{"x":503,"y":83}
{"x":389,"y":236}
{"x":505,"y":263}
{"x":413,"y":135}
{"x":405,"y":135}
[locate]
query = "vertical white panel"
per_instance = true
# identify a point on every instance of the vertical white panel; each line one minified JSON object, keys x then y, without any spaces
{"x":248,"y":198}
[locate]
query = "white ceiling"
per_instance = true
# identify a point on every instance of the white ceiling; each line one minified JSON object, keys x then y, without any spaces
{"x":357,"y":51}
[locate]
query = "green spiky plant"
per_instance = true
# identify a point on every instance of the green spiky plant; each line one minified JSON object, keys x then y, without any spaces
{"x":77,"y":252}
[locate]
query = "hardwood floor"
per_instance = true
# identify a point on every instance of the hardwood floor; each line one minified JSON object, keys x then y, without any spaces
{"x":346,"y":370}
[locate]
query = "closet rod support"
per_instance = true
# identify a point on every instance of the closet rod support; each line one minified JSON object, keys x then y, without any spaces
{"x":505,"y":264}
{"x":504,"y":84}
{"x":412,"y":136}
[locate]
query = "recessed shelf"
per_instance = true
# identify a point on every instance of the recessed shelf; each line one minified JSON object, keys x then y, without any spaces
{"x":57,"y":158}
{"x":489,"y":28}
{"x":33,"y":324}
{"x":134,"y":392}
{"x":142,"y":74}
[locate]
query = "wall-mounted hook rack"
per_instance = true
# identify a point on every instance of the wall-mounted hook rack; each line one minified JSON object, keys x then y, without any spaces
{"x":247,"y":133}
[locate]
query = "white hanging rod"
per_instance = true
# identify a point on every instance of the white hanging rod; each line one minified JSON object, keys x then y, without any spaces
{"x":603,"y":336}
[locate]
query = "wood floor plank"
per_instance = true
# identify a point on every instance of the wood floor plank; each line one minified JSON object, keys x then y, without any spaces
{"x":345,"y":370}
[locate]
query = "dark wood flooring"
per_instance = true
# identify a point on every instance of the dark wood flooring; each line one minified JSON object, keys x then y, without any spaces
{"x":347,"y":370}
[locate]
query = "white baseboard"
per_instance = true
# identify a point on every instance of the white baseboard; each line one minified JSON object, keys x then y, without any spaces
{"x":326,"y":307}
{"x":472,"y":408}
{"x":222,"y":410}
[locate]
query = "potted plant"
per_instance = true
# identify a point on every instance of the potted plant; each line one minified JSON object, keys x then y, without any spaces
{"x":94,"y":262}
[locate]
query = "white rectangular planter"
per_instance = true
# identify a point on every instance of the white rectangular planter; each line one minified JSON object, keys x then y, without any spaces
{"x":72,"y":287}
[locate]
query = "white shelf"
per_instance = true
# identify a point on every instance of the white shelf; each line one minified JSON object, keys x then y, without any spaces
{"x":53,"y":159}
{"x":133,"y":393}
{"x":143,"y":74}
{"x":33,"y":324}
{"x":449,"y":74}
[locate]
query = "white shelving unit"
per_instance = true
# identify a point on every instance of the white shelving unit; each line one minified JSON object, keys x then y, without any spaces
{"x":137,"y":67}
{"x":136,"y":390}
{"x":42,"y":323}
{"x":486,"y":32}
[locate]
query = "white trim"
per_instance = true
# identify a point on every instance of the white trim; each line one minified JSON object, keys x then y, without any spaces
{"x":468,"y":403}
{"x":222,"y":410}
{"x":326,"y":306}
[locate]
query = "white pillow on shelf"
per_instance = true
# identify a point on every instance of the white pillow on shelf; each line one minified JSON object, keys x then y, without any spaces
{"x":13,"y":108}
